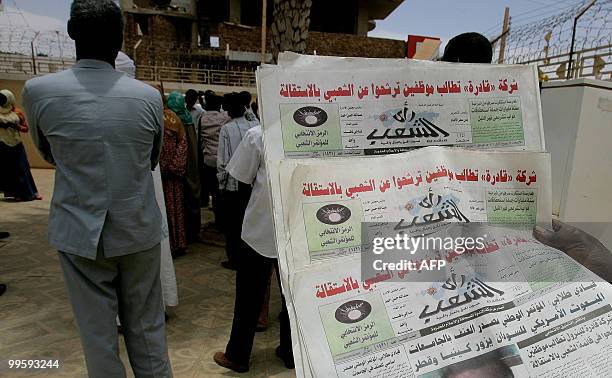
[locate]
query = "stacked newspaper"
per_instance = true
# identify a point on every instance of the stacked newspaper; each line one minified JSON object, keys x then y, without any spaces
{"x":404,"y":194}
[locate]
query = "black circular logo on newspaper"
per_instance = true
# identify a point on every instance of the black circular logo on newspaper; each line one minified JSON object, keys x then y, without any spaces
{"x":310,"y":116}
{"x":333,"y":214}
{"x":353,"y":311}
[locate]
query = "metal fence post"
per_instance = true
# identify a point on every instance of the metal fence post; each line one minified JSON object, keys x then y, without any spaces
{"x":571,"y":54}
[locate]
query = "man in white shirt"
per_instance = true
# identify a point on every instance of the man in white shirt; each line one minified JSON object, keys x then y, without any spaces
{"x":255,"y":264}
{"x":193,"y":105}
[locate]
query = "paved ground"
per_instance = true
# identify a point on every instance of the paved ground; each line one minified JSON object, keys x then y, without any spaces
{"x":36,"y":320}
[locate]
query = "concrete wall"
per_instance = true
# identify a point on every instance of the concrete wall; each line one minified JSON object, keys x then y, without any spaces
{"x":16,"y":86}
{"x":577,"y":117}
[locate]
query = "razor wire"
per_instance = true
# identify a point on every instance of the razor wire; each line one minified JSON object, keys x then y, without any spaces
{"x":545,"y":38}
{"x":17,"y":36}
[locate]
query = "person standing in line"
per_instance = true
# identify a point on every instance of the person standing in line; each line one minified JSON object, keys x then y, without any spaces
{"x":192,"y":101}
{"x":193,"y":105}
{"x":234,"y":194}
{"x":16,"y":179}
{"x":257,"y":260}
{"x":173,"y":165}
{"x":176,"y":103}
{"x":210,"y":125}
{"x":103,"y":132}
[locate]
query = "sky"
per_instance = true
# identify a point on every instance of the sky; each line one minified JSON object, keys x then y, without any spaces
{"x":435,"y":18}
{"x":447,"y":18}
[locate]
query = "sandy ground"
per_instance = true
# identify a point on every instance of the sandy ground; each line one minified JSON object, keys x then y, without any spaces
{"x":36,"y":320}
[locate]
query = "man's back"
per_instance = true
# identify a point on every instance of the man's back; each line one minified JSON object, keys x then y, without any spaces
{"x":210,"y":125}
{"x":104,"y":135}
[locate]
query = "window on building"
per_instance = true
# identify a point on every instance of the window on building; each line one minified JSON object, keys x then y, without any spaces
{"x":214,"y":41}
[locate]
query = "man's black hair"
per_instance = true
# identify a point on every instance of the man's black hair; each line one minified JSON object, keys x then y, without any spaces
{"x":191,"y":97}
{"x":245,"y":98}
{"x":201,"y":95}
{"x":233,"y":105}
{"x":213,"y":102}
{"x":468,"y":48}
{"x":96,"y":26}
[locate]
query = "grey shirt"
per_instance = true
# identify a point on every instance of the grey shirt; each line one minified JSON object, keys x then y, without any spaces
{"x":103,"y":132}
{"x":230,"y":136}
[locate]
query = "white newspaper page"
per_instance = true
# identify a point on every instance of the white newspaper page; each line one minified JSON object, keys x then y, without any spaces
{"x":327,"y":201}
{"x":530,"y":312}
{"x":340,"y":110}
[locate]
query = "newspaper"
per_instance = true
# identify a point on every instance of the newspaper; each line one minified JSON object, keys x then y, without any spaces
{"x":326,"y":201}
{"x":536,"y":321}
{"x":314,"y":107}
{"x":336,"y":109}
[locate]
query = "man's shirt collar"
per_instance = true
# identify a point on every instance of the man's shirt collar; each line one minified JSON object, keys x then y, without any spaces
{"x":93,"y":63}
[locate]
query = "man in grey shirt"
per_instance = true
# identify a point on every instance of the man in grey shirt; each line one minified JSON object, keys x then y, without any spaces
{"x":103,"y":132}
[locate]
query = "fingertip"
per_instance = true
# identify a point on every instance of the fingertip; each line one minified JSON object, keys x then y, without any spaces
{"x":538,"y":230}
{"x":541,"y":234}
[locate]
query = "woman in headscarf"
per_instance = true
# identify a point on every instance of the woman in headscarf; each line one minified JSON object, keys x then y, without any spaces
{"x":16,"y":180}
{"x":176,"y":103}
{"x":173,"y":164}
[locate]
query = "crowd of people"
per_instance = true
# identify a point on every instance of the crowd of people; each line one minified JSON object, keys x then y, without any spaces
{"x":134,"y":168}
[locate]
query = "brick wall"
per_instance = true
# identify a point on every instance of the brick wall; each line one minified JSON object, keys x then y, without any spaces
{"x":249,"y":39}
{"x":166,"y":43}
{"x":240,"y":38}
{"x":156,"y":28}
{"x":165,"y":40}
{"x":354,"y":45}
